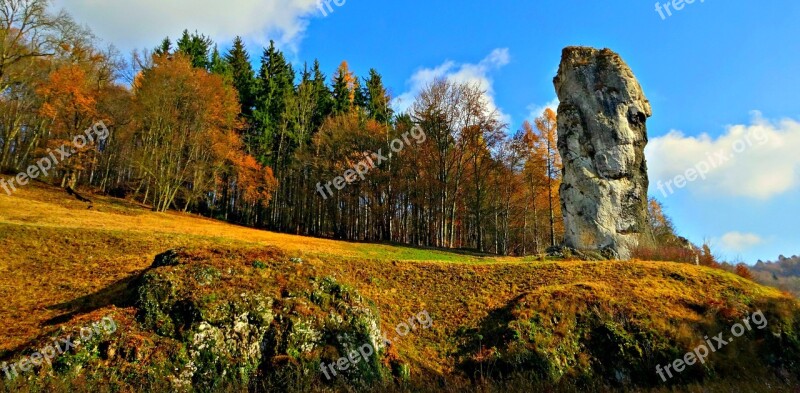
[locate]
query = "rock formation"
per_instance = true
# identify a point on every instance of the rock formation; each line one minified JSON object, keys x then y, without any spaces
{"x":601,"y":137}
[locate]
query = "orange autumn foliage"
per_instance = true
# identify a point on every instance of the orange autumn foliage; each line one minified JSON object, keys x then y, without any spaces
{"x":187,"y":120}
{"x":70,"y":98}
{"x":256,"y":182}
{"x":742,"y":271}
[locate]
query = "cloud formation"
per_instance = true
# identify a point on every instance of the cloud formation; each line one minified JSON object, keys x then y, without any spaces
{"x":739,"y":242}
{"x":479,"y":74}
{"x":757,"y":161}
{"x":536,"y":111}
{"x":144,"y":23}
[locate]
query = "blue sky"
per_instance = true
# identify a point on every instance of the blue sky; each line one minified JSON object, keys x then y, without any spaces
{"x":705,"y":70}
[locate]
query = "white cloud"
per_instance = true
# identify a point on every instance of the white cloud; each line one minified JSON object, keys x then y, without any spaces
{"x":758,"y":160}
{"x":471,"y":73}
{"x":536,"y":111}
{"x":144,"y":23}
{"x":739,"y":242}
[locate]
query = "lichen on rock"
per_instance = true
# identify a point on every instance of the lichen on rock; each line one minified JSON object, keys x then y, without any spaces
{"x":233,"y":332}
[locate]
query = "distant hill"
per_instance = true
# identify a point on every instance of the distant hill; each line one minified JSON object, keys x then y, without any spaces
{"x":784,"y":273}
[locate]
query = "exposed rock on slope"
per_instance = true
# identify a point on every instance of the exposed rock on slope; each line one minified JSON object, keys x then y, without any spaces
{"x":234,"y":326}
{"x":601,"y":137}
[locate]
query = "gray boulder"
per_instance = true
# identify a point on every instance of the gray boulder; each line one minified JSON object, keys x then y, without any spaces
{"x":602,"y":134}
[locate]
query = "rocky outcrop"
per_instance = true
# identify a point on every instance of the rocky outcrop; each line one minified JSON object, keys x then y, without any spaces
{"x":232,"y":327}
{"x":602,"y":134}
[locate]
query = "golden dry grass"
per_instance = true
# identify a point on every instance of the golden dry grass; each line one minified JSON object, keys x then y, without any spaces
{"x":61,"y":260}
{"x":55,"y":250}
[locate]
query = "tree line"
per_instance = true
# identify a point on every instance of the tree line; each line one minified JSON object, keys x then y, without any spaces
{"x":247,"y":140}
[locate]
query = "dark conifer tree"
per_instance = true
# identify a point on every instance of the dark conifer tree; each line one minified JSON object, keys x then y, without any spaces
{"x":165,"y":48}
{"x":324,"y":98}
{"x":218,"y":65}
{"x":243,"y":76}
{"x":377,"y":98}
{"x":342,"y":90}
{"x":275,"y":90}
{"x":197,"y":48}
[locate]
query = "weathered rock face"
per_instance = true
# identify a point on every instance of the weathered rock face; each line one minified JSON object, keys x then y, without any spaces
{"x":233,"y":328}
{"x":601,"y":137}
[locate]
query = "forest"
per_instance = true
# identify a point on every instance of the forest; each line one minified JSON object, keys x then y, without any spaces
{"x":209,"y":131}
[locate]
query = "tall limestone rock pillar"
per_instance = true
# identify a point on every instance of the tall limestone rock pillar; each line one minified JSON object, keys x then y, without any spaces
{"x":601,"y":138}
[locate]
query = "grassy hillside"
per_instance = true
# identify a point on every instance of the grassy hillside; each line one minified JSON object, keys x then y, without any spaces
{"x":500,"y":323}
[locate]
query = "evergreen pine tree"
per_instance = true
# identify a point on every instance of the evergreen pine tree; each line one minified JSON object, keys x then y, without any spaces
{"x":220,"y":66}
{"x":275,"y":92}
{"x":343,"y":93}
{"x":323,"y":95}
{"x":377,"y":98}
{"x":196,"y":47}
{"x":359,"y":95}
{"x":165,"y":48}
{"x":243,"y":76}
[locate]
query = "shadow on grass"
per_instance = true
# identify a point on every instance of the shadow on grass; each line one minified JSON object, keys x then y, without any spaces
{"x":492,"y":332}
{"x":120,"y":294}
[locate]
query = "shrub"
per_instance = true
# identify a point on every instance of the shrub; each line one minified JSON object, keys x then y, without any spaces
{"x":743,"y":271}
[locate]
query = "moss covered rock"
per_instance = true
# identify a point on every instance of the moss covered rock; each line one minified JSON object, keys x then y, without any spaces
{"x":238,"y":328}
